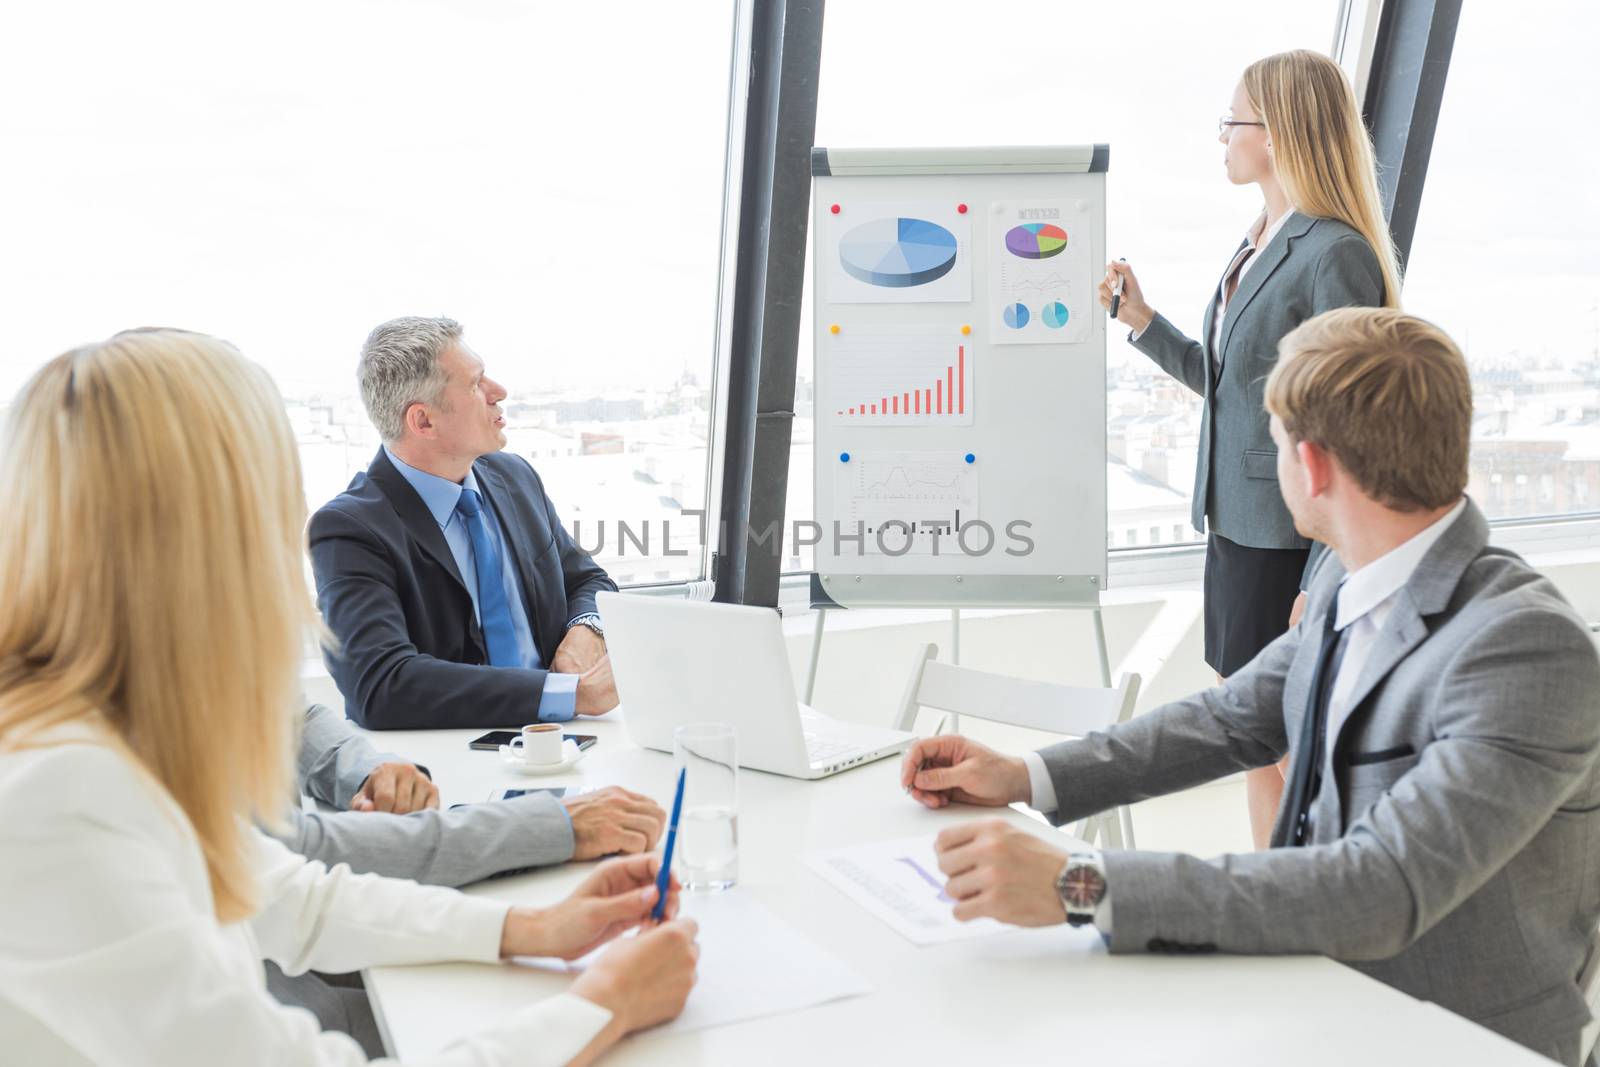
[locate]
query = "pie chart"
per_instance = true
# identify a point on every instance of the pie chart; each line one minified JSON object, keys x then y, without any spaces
{"x":1054,"y":314}
{"x":1036,"y":240}
{"x":897,"y":253}
{"x":1016,"y":316}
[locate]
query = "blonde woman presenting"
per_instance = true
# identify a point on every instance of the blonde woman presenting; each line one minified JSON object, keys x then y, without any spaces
{"x":153,"y":562}
{"x":1320,"y":242}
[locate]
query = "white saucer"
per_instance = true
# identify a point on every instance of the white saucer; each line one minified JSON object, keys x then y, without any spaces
{"x":571,"y":754}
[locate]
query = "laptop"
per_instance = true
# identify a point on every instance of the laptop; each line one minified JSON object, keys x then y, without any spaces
{"x":679,"y":661}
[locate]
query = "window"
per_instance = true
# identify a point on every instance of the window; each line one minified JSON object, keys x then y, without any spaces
{"x":291,"y":177}
{"x":1507,"y":251}
{"x":1171,"y":212}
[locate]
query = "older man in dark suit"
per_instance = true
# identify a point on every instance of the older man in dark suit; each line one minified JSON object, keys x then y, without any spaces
{"x":456,"y":596}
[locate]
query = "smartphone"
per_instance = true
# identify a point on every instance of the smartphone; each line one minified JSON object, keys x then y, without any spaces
{"x":491,"y":741}
{"x":512,"y":794}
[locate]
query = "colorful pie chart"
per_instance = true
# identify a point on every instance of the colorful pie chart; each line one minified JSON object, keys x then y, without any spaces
{"x":1016,"y":316}
{"x":897,"y":253}
{"x":1036,"y":240}
{"x":1054,"y":314}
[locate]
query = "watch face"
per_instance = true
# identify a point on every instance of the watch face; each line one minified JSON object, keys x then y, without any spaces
{"x":1082,"y":886}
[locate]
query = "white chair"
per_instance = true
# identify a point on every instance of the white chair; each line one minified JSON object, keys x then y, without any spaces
{"x":1061,"y":709}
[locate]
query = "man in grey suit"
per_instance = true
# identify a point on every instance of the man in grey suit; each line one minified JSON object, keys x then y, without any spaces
{"x":398,"y":832}
{"x":476,"y":841}
{"x":1439,"y":702}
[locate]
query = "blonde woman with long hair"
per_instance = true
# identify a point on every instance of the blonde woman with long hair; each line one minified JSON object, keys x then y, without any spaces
{"x":1294,"y":130}
{"x":155,"y":608}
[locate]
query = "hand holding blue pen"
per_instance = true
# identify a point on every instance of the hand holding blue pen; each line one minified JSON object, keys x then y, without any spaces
{"x":666,"y":855}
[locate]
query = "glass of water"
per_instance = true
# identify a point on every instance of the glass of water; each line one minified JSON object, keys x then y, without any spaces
{"x":708,"y":827}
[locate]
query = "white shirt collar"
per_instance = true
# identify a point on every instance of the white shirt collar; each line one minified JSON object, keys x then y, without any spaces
{"x":1365,"y":589}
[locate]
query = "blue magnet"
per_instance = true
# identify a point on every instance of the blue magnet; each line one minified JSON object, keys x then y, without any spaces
{"x":971,"y":458}
{"x":844,"y":457}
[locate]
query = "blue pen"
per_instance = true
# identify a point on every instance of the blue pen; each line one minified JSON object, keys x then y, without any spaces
{"x":666,"y":856}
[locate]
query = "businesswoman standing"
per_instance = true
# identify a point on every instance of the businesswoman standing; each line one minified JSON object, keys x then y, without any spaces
{"x":1320,"y":242}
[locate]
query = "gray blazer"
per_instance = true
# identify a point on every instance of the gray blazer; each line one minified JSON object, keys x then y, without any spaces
{"x":1310,"y":266}
{"x":451,"y":848}
{"x":1457,"y":857}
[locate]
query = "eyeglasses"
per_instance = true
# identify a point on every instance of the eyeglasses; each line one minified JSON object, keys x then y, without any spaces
{"x":1224,"y":123}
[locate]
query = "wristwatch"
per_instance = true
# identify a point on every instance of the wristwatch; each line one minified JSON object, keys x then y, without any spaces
{"x":1082,"y":886}
{"x":592,"y":621}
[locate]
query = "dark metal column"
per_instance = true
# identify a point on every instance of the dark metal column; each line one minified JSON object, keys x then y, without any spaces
{"x":1410,"y":59}
{"x":780,"y":125}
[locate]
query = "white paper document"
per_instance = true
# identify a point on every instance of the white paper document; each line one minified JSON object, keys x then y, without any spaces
{"x":908,"y":377}
{"x":751,"y":964}
{"x":898,"y":253}
{"x":908,"y":502}
{"x":1040,"y":282}
{"x":900,"y":882}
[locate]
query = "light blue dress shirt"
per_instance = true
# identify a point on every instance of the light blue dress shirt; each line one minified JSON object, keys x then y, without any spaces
{"x":440,"y":495}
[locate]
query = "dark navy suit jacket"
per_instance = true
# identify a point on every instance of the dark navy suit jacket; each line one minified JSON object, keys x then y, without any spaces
{"x":410,"y":653}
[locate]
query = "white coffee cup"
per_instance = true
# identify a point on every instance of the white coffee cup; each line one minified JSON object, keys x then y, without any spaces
{"x":539,"y":743}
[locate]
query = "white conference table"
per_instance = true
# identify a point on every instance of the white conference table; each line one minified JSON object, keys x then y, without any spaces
{"x":1018,"y":997}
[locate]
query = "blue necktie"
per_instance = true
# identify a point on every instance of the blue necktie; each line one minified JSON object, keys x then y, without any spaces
{"x":494,"y":612}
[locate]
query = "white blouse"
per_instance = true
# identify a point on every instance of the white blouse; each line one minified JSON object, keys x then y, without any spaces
{"x":110,"y":952}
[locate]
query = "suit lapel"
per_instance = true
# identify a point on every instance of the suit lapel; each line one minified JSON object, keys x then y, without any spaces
{"x":1268,"y":260}
{"x":1402,"y":633}
{"x":414,"y":513}
{"x":1207,"y":334}
{"x":503,"y":502}
{"x":1426,"y":593}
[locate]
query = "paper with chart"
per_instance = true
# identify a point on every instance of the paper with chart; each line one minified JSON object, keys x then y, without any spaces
{"x":1039,"y":272}
{"x":915,"y":375}
{"x":752,"y":964}
{"x":906,"y":502}
{"x":898,"y":253}
{"x":899,"y":881}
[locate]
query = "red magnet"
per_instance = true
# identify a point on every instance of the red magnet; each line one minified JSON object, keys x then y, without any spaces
{"x":834,"y":209}
{"x":961,"y":208}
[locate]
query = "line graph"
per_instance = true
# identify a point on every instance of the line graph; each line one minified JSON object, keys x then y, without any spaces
{"x":1040,"y":284}
{"x":902,"y":480}
{"x":919,"y":500}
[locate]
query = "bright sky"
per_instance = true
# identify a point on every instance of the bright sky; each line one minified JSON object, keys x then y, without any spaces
{"x":551,"y":175}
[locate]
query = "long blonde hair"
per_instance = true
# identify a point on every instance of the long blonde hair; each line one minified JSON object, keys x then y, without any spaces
{"x":151,"y":554}
{"x":1321,"y":151}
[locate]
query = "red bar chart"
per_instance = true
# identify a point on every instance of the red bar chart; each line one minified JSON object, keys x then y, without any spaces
{"x":901,"y":379}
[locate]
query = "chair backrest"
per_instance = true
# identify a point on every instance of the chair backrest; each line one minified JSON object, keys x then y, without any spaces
{"x":1062,"y":709}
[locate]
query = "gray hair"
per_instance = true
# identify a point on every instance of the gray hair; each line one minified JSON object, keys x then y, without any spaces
{"x":400,"y":367}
